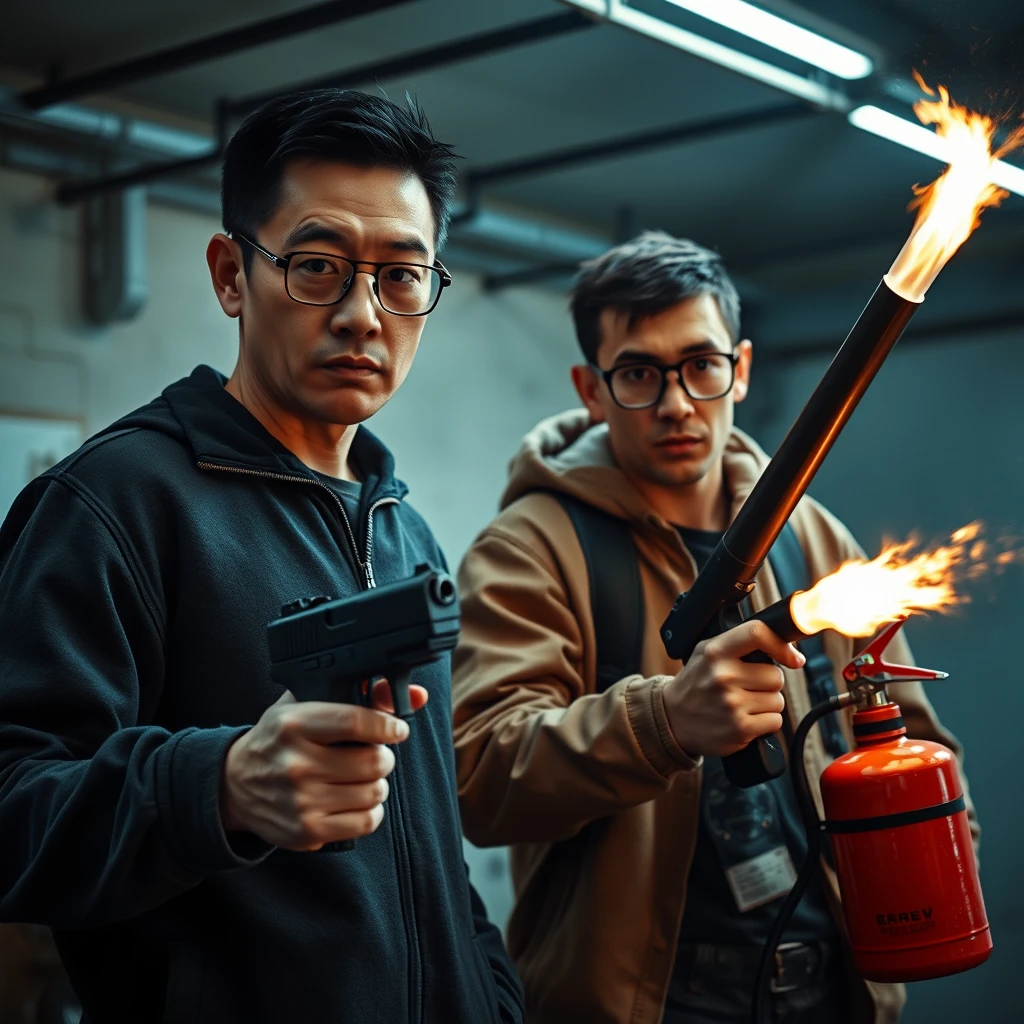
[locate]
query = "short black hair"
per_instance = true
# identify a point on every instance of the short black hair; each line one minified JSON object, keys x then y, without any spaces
{"x":644,"y":277}
{"x":330,"y":124}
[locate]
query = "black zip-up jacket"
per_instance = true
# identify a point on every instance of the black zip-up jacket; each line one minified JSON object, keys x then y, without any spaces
{"x":136,"y":581}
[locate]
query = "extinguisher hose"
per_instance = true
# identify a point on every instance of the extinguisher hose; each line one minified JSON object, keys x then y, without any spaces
{"x":761,"y":1012}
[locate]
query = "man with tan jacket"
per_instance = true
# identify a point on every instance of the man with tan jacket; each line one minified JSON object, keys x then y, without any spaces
{"x":642,"y":891}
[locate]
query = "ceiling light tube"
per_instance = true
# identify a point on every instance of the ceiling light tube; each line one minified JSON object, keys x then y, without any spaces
{"x":783,"y":35}
{"x":914,"y":136}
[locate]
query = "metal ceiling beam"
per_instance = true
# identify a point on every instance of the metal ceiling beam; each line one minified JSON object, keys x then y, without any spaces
{"x":419,"y":60}
{"x":174,"y":58}
{"x":688,"y":131}
{"x":436,"y":56}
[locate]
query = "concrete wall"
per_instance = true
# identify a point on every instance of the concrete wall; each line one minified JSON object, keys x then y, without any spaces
{"x":935,"y":444}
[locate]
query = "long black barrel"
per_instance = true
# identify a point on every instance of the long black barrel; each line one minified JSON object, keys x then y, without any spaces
{"x":729,"y":574}
{"x":709,"y":607}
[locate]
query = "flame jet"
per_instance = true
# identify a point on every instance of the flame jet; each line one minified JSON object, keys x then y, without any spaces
{"x":948,"y":210}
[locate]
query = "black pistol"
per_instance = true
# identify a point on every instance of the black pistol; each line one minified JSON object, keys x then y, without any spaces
{"x":324,"y":649}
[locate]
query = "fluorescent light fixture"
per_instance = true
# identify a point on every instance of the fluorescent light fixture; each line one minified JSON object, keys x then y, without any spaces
{"x":780,"y":34}
{"x":915,"y":136}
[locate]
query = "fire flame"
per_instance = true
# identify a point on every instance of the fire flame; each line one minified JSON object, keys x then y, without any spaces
{"x":949,"y":209}
{"x":860,"y":596}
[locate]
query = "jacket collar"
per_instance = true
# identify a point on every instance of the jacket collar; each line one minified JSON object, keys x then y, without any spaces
{"x":222,"y":432}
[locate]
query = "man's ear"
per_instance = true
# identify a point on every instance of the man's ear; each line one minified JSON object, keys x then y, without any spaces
{"x":227,"y":272}
{"x":741,"y":383}
{"x":587,"y":384}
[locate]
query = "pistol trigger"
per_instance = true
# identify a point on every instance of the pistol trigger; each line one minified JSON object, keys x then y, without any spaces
{"x":400,"y":699}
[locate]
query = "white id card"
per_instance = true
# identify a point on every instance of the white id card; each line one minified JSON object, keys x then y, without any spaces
{"x":761,"y":879}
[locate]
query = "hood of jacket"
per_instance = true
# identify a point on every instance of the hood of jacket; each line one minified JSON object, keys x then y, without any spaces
{"x":571,"y":454}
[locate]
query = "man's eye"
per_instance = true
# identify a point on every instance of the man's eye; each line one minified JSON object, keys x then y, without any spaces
{"x":402,"y":275}
{"x":317,"y":266}
{"x":703,"y":365}
{"x":637,"y":374}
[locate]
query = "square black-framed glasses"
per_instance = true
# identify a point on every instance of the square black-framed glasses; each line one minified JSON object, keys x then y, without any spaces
{"x":627,"y":394}
{"x":439,"y":276}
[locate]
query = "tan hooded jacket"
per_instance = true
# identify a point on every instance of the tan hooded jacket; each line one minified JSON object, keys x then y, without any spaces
{"x":596,"y":798}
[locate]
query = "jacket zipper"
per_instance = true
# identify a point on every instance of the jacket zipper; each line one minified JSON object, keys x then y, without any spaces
{"x":365,"y":566}
{"x":403,"y":856}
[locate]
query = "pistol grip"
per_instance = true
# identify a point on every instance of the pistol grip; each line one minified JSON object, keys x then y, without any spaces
{"x":341,"y":846}
{"x":761,"y":760}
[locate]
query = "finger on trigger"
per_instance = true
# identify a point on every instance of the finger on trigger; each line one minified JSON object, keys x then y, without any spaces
{"x":382,"y":696}
{"x":758,"y":636}
{"x":327,"y":723}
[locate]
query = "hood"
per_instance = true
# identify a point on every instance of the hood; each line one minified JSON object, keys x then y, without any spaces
{"x":571,"y":454}
{"x":220,"y":431}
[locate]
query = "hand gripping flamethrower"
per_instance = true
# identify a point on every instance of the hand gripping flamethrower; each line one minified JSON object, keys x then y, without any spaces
{"x":897,"y":824}
{"x":948,"y":212}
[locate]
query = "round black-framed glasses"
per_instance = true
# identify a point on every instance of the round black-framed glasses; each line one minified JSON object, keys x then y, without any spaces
{"x":639,"y":385}
{"x":324,"y":279}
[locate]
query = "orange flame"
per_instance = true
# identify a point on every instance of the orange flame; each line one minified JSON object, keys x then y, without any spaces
{"x":860,"y":597}
{"x":949,"y":209}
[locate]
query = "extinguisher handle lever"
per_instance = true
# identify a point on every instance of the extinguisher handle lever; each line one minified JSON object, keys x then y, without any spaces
{"x":870,"y":664}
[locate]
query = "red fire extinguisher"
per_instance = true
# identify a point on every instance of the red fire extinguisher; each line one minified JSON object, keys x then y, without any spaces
{"x":900,"y":841}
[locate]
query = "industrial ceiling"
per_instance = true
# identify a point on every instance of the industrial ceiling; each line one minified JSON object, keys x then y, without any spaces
{"x":583,"y":125}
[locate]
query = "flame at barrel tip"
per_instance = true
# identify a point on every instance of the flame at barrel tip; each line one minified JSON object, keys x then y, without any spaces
{"x":949,"y":209}
{"x":861,"y":596}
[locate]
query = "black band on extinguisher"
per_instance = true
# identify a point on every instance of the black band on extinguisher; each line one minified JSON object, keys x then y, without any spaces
{"x":896,"y":820}
{"x":873,"y":728}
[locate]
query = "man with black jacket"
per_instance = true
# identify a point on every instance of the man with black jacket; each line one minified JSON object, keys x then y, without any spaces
{"x":164,"y":807}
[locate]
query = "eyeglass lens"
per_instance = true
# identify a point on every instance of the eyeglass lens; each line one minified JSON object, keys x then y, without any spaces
{"x":322,"y":280}
{"x":704,"y":377}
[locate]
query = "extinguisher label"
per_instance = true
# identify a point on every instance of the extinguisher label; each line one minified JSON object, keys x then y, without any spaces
{"x":906,"y":922}
{"x":761,"y":879}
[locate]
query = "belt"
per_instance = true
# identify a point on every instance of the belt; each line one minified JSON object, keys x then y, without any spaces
{"x":797,"y":965}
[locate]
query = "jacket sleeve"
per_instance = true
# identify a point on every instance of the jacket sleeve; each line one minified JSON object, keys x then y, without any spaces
{"x":539,"y":756}
{"x":102,"y":817}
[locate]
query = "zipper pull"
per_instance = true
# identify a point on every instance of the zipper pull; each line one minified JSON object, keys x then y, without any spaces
{"x":368,"y":573}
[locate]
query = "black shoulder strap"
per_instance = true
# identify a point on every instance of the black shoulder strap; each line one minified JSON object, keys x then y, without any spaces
{"x":616,"y":598}
{"x":791,"y":574}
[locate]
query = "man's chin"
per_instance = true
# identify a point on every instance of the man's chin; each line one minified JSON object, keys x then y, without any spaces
{"x":352,"y":404}
{"x":679,"y":474}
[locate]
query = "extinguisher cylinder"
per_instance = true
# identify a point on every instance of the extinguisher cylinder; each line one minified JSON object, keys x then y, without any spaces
{"x":903,"y":853}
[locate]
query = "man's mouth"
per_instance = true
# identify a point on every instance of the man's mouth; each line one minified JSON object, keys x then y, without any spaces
{"x":352,"y":366}
{"x":678,"y":443}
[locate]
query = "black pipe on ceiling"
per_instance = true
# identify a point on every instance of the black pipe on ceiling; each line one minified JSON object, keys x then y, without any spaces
{"x":436,"y":56}
{"x":174,"y":58}
{"x":419,"y":60}
{"x":638,"y":141}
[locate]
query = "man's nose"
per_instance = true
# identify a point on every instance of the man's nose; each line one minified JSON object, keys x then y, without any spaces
{"x":675,"y":403}
{"x":358,"y":313}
